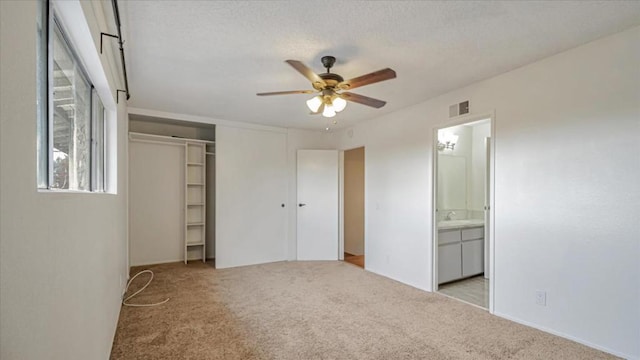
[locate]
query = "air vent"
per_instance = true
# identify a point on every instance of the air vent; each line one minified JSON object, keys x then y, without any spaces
{"x":459,"y":109}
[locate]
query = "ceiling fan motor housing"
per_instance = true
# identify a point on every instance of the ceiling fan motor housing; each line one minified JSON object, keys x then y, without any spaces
{"x":330,"y":79}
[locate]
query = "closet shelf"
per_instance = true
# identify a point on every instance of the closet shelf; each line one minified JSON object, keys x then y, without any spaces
{"x":166,"y":139}
{"x":195,"y":198}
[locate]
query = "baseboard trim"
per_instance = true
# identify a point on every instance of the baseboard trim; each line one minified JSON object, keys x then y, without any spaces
{"x":159,"y":262}
{"x":566,"y":336}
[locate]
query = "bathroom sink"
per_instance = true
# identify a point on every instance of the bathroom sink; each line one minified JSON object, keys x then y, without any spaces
{"x":452,"y":224}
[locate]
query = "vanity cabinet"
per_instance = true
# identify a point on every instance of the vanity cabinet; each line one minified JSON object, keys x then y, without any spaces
{"x":449,"y":255}
{"x":460,"y":253}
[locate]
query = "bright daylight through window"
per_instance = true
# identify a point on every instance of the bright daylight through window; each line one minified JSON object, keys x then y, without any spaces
{"x":71,"y":117}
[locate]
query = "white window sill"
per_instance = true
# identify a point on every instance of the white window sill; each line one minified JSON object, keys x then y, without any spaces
{"x":65,"y":191}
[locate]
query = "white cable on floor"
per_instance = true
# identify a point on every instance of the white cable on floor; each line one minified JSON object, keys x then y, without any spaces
{"x":124,"y":302}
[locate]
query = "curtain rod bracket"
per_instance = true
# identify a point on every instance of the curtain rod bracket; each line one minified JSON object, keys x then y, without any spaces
{"x":103,"y":34}
{"x":116,"y":15}
{"x":118,"y":93}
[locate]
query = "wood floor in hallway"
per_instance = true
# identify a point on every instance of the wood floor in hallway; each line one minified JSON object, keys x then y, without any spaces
{"x":357,"y":260}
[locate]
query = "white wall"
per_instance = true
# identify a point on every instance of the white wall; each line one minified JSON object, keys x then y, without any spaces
{"x":478,"y":169}
{"x":251,"y":186}
{"x":62,"y":256}
{"x":567,"y":197}
{"x":397,"y":194}
{"x":462,"y":149}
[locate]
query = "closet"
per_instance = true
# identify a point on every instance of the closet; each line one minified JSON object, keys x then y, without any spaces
{"x":171,"y":190}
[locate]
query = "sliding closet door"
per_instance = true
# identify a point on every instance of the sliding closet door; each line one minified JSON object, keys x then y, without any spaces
{"x":156,"y":203}
{"x":251,"y":189}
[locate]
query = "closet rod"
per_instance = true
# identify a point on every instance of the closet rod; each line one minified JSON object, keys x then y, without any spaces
{"x":157,"y":142}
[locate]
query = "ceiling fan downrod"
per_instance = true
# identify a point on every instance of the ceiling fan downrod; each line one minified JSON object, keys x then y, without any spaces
{"x":327,"y":62}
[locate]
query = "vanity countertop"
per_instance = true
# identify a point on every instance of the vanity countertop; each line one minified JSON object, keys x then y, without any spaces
{"x":457,"y":224}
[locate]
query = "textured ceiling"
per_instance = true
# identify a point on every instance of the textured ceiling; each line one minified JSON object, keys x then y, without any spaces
{"x":210,"y":58}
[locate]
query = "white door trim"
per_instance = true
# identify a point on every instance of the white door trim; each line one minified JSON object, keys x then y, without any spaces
{"x":434,"y":218}
{"x":341,"y":204}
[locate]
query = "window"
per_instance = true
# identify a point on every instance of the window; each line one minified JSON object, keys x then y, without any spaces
{"x":71,"y":126}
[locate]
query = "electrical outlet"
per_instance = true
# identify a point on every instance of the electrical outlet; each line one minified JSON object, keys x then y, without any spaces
{"x":541,"y":298}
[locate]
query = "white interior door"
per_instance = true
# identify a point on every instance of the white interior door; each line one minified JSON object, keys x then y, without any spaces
{"x":251,"y":190}
{"x":317,"y":205}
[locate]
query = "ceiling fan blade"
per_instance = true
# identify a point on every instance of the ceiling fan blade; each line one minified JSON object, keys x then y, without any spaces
{"x":303,"y":69}
{"x":374,"y":77}
{"x":364,"y":100}
{"x":287,"y":92}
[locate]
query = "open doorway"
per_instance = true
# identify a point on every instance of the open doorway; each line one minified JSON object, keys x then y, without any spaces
{"x":353,"y":203}
{"x":462,"y":197}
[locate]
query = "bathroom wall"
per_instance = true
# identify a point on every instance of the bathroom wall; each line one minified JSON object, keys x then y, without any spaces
{"x":478,"y":164}
{"x":462,"y":150}
{"x":471,"y":147}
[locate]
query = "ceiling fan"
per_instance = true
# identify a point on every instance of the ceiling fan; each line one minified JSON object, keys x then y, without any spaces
{"x":331,"y":88}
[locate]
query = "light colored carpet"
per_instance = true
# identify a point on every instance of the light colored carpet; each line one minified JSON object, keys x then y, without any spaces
{"x":316,"y":310}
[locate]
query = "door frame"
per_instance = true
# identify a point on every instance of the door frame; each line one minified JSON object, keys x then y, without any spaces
{"x":341,"y":201}
{"x":461,"y":120}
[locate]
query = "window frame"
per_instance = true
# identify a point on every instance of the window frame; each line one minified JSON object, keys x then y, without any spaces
{"x":98,"y":137}
{"x":97,"y":167}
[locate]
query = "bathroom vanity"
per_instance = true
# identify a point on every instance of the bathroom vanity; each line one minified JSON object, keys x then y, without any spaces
{"x":460,"y":249}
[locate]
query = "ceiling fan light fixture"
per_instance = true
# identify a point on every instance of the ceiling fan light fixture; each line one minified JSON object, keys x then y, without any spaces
{"x":328,"y":111}
{"x":327,"y":86}
{"x":339,"y":104}
{"x":314,"y":103}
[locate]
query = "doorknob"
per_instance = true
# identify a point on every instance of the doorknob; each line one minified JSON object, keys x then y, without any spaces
{"x":301,"y":205}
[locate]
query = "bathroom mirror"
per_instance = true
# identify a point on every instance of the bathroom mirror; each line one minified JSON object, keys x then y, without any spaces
{"x":452,"y":182}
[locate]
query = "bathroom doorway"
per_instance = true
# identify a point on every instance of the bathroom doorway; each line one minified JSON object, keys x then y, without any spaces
{"x":463,"y":169}
{"x":353,"y":205}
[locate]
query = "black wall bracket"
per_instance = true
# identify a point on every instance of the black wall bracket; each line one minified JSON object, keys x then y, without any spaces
{"x":118,"y":93}
{"x":116,"y":14}
{"x":102,"y":35}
